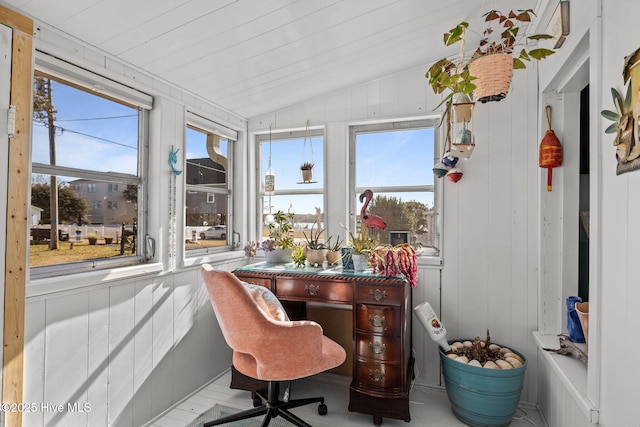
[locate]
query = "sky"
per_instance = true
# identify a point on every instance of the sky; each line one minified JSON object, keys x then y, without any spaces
{"x":91,"y":133}
{"x":398,"y":158}
{"x":98,"y":134}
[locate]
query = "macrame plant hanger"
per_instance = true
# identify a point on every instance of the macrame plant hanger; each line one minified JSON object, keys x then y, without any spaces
{"x":306,"y":168}
{"x":269,"y":178}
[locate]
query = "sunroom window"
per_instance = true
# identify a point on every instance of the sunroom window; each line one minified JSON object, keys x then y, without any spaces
{"x":395,"y":161}
{"x":87,"y":182}
{"x":282,"y":155}
{"x":207,"y":186}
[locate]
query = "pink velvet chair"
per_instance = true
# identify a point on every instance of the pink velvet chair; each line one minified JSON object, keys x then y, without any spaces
{"x":268,"y":349}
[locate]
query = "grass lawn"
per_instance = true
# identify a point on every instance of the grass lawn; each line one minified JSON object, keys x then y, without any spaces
{"x":71,"y":252}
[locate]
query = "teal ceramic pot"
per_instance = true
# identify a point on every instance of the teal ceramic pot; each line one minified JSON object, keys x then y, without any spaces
{"x":483,"y":397}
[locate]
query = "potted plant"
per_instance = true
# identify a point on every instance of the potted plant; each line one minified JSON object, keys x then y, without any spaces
{"x":483,"y":381}
{"x":334,"y":253}
{"x":360,"y":249}
{"x":314,"y":250}
{"x":93,"y":239}
{"x":307,"y":172}
{"x":279,"y":246}
{"x":298,"y":256}
{"x":394,"y":260}
{"x":487,"y":73}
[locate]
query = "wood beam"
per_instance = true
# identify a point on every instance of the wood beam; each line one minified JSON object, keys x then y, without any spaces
{"x":16,"y":262}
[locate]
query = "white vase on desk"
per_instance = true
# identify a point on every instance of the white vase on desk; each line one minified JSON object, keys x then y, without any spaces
{"x":359,"y":261}
{"x":279,"y":255}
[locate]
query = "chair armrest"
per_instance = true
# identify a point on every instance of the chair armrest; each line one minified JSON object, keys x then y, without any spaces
{"x":290,"y":350}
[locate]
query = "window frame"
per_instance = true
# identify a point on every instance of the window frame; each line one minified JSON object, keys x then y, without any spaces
{"x":83,"y":79}
{"x":203,"y":124}
{"x":436,"y":188}
{"x":283,"y":134}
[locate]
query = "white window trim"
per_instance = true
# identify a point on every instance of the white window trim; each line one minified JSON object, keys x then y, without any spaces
{"x":433,"y":254}
{"x":294,"y":133}
{"x":202,"y":123}
{"x":81,"y":77}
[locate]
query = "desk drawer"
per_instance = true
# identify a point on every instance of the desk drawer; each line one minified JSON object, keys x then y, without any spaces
{"x":382,"y":375}
{"x":378,"y":347}
{"x":266,"y":282}
{"x":314,"y":290}
{"x":380,"y":319}
{"x":388,"y":295}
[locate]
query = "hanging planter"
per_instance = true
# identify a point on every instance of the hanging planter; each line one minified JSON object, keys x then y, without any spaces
{"x":306,"y":167}
{"x":269,"y":175}
{"x":464,"y":143}
{"x":462,"y":108}
{"x":493,"y":76}
{"x":307,"y":172}
{"x":488,"y":71}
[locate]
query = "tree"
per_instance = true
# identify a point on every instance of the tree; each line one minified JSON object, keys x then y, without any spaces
{"x":131,"y":193}
{"x":411,"y":216}
{"x":44,"y":112}
{"x":394,"y":212}
{"x":72,"y":209}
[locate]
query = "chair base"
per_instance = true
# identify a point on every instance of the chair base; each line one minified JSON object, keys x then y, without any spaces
{"x":272,"y":407}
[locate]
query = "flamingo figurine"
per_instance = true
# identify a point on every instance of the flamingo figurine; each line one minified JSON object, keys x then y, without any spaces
{"x":370,"y":221}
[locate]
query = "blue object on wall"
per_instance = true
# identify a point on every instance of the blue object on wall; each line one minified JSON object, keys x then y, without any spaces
{"x":173,"y":160}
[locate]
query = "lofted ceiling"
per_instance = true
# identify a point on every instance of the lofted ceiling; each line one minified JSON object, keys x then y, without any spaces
{"x":256,"y":56}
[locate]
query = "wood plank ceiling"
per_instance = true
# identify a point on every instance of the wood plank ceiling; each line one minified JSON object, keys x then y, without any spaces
{"x":256,"y":56}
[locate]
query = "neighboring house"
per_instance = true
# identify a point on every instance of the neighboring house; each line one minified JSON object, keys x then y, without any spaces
{"x":205,"y":208}
{"x":106,"y":201}
{"x":35,"y":213}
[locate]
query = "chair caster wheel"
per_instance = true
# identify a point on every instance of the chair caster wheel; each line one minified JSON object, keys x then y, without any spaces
{"x":257,"y":401}
{"x":322,"y":409}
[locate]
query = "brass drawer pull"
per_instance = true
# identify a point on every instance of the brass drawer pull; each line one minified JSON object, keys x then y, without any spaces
{"x":377,"y":321}
{"x":378,"y":295}
{"x":376,"y":375}
{"x":312,"y":289}
{"x":377,"y":347}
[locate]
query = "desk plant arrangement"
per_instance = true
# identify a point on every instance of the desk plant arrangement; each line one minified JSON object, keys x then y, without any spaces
{"x":279,"y":246}
{"x":360,"y":248}
{"x":394,"y":260}
{"x":314,"y":250}
{"x":334,"y":250}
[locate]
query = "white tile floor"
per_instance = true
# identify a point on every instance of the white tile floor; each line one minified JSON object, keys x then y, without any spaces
{"x":428,"y":407}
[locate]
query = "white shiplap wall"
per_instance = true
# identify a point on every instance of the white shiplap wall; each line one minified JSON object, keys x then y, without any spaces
{"x":130,"y":349}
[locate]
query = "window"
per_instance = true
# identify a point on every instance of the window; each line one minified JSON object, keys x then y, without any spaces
{"x":208,"y":176}
{"x":395,"y":160}
{"x":87,"y":162}
{"x":294,"y":190}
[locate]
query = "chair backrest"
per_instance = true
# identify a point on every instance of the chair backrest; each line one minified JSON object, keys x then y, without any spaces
{"x":242,"y":322}
{"x":256,"y":338}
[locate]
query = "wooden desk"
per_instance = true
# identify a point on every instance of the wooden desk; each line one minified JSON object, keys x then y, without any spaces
{"x":381,"y":306}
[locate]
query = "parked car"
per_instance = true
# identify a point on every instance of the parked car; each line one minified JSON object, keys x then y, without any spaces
{"x":217,"y":232}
